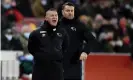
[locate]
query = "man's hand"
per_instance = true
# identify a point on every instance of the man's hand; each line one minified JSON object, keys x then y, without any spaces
{"x":83,"y":56}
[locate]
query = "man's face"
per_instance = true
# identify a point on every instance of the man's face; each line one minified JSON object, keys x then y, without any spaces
{"x":52,"y":17}
{"x":68,"y":12}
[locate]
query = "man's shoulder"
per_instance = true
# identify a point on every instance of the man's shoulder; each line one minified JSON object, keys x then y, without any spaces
{"x":39,"y":28}
{"x":80,"y":23}
{"x":35,"y":32}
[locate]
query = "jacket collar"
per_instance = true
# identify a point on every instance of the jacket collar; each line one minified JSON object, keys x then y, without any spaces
{"x":68,"y":21}
{"x":47,"y":26}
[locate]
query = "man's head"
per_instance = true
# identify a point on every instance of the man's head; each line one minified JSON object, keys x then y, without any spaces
{"x":68,"y":10}
{"x":52,"y":17}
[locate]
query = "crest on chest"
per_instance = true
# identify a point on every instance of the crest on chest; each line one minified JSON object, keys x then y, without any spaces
{"x":73,"y":29}
{"x":59,"y":34}
{"x":43,"y":33}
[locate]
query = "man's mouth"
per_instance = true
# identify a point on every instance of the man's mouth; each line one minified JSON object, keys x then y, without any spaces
{"x":54,"y":21}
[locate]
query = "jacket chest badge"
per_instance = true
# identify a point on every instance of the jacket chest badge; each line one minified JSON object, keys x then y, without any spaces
{"x":43,"y":35}
{"x":73,"y":28}
{"x":59,"y":34}
{"x":54,"y":29}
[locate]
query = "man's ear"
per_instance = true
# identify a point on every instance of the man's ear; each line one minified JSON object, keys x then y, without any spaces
{"x":45,"y":18}
{"x":62,"y":12}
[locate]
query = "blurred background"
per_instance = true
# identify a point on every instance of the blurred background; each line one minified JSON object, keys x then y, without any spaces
{"x":110,"y":21}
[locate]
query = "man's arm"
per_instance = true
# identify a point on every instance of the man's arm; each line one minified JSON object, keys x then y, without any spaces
{"x":62,"y":40}
{"x":32,"y":43}
{"x":90,"y":42}
{"x":65,"y":41}
{"x":89,"y":39}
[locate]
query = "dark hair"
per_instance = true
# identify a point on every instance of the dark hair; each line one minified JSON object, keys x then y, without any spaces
{"x":67,"y":3}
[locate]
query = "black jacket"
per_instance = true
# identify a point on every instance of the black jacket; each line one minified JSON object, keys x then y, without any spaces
{"x":77,"y":33}
{"x":45,"y":44}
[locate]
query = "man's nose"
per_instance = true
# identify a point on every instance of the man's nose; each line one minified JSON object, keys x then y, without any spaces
{"x":70,"y":13}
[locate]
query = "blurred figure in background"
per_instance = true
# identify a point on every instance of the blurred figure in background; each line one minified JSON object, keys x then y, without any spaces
{"x":24,"y":6}
{"x":10,"y":11}
{"x":26,"y":66}
{"x":38,"y":9}
{"x":26,"y":60}
{"x":13,"y":15}
{"x":10,"y":40}
{"x":106,"y":33}
{"x":124,"y":34}
{"x":96,"y":24}
{"x":90,"y":8}
{"x":88,"y":22}
{"x":6,"y":4}
{"x":24,"y":36}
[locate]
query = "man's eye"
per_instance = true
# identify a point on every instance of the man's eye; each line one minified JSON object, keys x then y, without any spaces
{"x":71,"y":10}
{"x":52,"y":15}
{"x":55,"y":15}
{"x":68,"y":10}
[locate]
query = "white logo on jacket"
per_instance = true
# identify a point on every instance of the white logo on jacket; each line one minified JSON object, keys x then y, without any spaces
{"x":54,"y":29}
{"x":43,"y":35}
{"x":59,"y":34}
{"x":73,"y":28}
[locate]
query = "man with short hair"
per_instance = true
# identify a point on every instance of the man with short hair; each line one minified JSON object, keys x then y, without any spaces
{"x":77,"y":33}
{"x":47,"y":53}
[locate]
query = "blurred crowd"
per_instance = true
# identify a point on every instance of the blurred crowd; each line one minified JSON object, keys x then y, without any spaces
{"x":110,"y":21}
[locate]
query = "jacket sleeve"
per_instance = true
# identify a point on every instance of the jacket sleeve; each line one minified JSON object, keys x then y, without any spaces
{"x":62,"y":41}
{"x":88,"y":39}
{"x":32,"y":43}
{"x":91,"y":43}
{"x":65,"y":41}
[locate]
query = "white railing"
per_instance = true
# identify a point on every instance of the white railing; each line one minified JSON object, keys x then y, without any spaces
{"x":9,"y":65}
